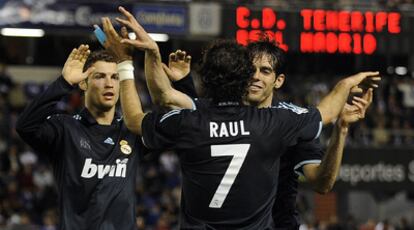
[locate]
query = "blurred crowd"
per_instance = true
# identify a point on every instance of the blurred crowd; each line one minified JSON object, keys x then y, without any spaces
{"x":28,"y":197}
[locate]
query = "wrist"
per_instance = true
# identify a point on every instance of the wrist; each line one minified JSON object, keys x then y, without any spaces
{"x":68,"y":81}
{"x":124,"y":58}
{"x":342,"y":125}
{"x":125,"y":70}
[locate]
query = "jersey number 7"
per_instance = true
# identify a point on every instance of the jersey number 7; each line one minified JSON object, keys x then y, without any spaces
{"x":239,"y":152}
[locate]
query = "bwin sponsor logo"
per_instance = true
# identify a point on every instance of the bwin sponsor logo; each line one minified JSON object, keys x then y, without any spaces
{"x":90,"y":169}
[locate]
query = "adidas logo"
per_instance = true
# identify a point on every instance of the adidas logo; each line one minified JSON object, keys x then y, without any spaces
{"x":109,"y":141}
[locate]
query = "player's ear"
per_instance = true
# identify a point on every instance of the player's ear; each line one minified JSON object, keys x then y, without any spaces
{"x":280,"y":79}
{"x":83,"y":85}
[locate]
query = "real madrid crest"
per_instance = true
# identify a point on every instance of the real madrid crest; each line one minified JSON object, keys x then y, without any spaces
{"x":125,"y":148}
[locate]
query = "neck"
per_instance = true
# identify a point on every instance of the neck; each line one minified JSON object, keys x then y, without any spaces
{"x":262,"y":104}
{"x":102,"y":117}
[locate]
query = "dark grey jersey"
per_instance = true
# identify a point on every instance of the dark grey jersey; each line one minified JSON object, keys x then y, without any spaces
{"x":94,"y":165}
{"x":229,"y":156}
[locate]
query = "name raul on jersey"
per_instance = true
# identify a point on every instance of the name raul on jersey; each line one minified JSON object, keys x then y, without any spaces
{"x":228,"y":129}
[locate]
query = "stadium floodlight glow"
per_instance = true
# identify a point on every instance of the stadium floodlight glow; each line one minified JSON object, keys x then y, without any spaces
{"x":22,"y":32}
{"x":156,"y":37}
{"x":401,"y":70}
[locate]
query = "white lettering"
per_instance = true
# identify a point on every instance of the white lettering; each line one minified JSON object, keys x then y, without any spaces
{"x":223,"y":130}
{"x":90,"y":169}
{"x":234,"y":129}
{"x":379,"y":172}
{"x":103,"y":170}
{"x":243,"y":132}
{"x":213,"y":129}
{"x":228,"y":129}
{"x":121,"y":168}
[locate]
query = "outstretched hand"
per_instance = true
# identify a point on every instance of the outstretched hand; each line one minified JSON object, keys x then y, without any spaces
{"x":178,"y":65}
{"x":142,"y":41}
{"x":113,"y":43}
{"x":73,"y":69}
{"x":356,"y":111}
{"x":362,"y":81}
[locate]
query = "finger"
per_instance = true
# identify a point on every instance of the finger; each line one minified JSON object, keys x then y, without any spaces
{"x":369,"y":95}
{"x":126,"y":13}
{"x":356,"y":89}
{"x":131,"y":18}
{"x":125,"y":23}
{"x":77,"y":54}
{"x":187,"y":59}
{"x":172,"y":57}
{"x":109,"y":28}
{"x":375,"y":78}
{"x":181,"y":55}
{"x":358,"y":104}
{"x":83,"y":52}
{"x":370,"y":73}
{"x":361,"y":100}
{"x":124,"y":32}
{"x":85,"y":56}
{"x":134,"y":43}
{"x":135,"y":27}
{"x":89,"y":72}
{"x":72,"y":54}
{"x":350,"y":108}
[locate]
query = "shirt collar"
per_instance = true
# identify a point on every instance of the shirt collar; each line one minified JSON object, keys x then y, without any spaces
{"x":89,"y":119}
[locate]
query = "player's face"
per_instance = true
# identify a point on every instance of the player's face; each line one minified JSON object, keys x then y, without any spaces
{"x":260,"y":92}
{"x":102,"y":90}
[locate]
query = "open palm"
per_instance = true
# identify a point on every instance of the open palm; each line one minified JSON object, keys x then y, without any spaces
{"x":73,"y":68}
{"x":179,"y":65}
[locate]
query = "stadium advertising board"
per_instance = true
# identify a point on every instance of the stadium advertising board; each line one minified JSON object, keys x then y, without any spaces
{"x":377,"y":169}
{"x":162,"y":18}
{"x":54,"y":15}
{"x":51,"y":14}
{"x":319,"y":30}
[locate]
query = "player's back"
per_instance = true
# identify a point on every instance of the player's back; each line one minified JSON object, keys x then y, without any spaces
{"x":229,"y":157}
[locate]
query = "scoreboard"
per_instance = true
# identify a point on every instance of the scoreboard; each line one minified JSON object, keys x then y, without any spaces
{"x":326,"y":31}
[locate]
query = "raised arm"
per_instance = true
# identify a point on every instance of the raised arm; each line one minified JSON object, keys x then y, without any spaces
{"x":331,"y":105}
{"x":33,"y":124}
{"x":160,"y":88}
{"x":322,"y":176}
{"x":178,"y":71}
{"x":130,"y":101}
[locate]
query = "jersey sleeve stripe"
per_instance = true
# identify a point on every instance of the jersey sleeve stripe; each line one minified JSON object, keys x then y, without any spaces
{"x":143,"y":142}
{"x":194,"y":105}
{"x":319,"y":130}
{"x":169,"y":114}
{"x":298,"y":167}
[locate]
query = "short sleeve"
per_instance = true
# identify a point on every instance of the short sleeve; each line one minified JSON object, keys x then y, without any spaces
{"x":161,"y":130}
{"x":300,"y":124}
{"x":306,"y":152}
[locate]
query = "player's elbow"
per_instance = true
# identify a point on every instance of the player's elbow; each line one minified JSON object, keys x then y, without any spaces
{"x":163,"y":99}
{"x":132,"y":126}
{"x":326,"y":114}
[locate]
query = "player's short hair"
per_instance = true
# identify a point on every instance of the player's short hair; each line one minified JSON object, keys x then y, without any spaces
{"x":99,"y":55}
{"x":270,"y":48}
{"x":226,"y":71}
